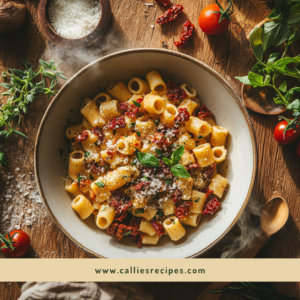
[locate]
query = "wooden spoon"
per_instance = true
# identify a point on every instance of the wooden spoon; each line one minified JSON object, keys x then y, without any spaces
{"x":274,"y":216}
{"x":260,"y":99}
{"x":49,"y":32}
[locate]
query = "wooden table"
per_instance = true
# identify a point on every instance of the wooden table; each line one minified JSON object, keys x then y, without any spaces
{"x":229,"y":54}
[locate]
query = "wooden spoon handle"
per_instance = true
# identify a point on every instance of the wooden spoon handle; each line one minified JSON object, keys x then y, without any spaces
{"x":248,"y":252}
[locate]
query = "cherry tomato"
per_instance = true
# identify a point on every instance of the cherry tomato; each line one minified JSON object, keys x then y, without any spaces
{"x":290,"y":136}
{"x":19,"y":240}
{"x":298,"y":149}
{"x":209,"y":21}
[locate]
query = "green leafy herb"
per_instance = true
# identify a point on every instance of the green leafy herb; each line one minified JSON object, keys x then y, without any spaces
{"x":80,"y":178}
{"x":23,"y":89}
{"x":91,"y":177}
{"x":87,"y":154}
{"x":3,"y":162}
{"x":146,"y":178}
{"x":174,"y":222}
{"x":251,"y":290}
{"x":156,"y":122}
{"x":136,"y":104}
{"x":200,"y":137}
{"x":132,"y":125}
{"x":176,"y":155}
{"x":138,"y":133}
{"x":196,"y":201}
{"x":160,"y":213}
{"x":134,"y":161}
{"x":100,"y":184}
{"x":127,"y":233}
{"x":168,"y":181}
{"x":179,"y":171}
{"x":139,"y":211}
{"x":104,"y":208}
{"x":148,"y":160}
{"x":168,"y":162}
{"x":160,"y":153}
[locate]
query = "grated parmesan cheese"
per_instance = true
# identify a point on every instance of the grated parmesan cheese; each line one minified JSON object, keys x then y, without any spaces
{"x":74,"y":19}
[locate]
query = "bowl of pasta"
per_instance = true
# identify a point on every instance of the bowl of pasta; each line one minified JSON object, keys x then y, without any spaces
{"x":145,"y":153}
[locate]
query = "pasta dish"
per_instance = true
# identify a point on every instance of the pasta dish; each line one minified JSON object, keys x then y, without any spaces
{"x":144,"y":159}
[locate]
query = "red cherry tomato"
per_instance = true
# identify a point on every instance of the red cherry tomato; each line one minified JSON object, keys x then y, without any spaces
{"x":290,"y":136}
{"x":298,"y":149}
{"x":19,"y":240}
{"x":209,"y":21}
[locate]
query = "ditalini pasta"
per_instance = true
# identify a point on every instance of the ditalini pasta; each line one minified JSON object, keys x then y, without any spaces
{"x":144,"y":160}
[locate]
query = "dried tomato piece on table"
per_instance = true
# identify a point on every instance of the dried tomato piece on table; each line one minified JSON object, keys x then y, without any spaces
{"x":83,"y":135}
{"x":183,"y":115}
{"x":211,"y":207}
{"x":158,"y":228}
{"x":164,"y":2}
{"x":204,"y":112}
{"x":186,"y":33}
{"x":170,"y":14}
{"x":118,"y":122}
{"x":183,"y":210}
{"x":175,"y":92}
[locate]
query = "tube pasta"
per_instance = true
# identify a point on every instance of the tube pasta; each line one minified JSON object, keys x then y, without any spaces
{"x":218,"y":185}
{"x":86,"y":124}
{"x":147,"y":227}
{"x":219,"y":136}
{"x":128,"y":145}
{"x":90,"y":147}
{"x":73,"y":188}
{"x":154,"y":104}
{"x":188,"y":142}
{"x":100,"y":190}
{"x":192,"y":220}
{"x":74,"y":130}
{"x":198,"y":200}
{"x":169,"y":115}
{"x":210,"y":121}
{"x":189,"y":105}
{"x":191,"y":92}
{"x":82,"y":206}
{"x":147,"y":213}
{"x":174,"y":228}
{"x":197,"y":101}
{"x":105,"y":216}
{"x":138,"y":86}
{"x":76,"y":164}
{"x":187,"y":158}
{"x":219,"y":153}
{"x":91,"y":112}
{"x":168,"y":207}
{"x":150,"y":240}
{"x":145,"y":128}
{"x":198,"y":127}
{"x":185,"y":185}
{"x":156,"y":83}
{"x":119,"y":91}
{"x":110,"y":110}
{"x":204,"y":155}
{"x":102,"y":97}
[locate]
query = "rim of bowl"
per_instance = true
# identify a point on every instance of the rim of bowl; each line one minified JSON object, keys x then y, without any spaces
{"x":99,"y":27}
{"x":147,"y":50}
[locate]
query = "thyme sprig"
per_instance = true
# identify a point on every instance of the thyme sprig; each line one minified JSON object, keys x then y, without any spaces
{"x":256,"y":291}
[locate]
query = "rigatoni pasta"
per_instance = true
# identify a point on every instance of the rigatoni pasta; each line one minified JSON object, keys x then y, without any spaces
{"x":144,"y":161}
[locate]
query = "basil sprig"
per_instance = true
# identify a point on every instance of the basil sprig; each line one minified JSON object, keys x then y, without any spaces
{"x":148,"y":160}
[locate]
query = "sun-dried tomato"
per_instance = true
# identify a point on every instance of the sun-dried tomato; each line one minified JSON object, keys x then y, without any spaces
{"x":175,"y":92}
{"x":94,"y":168}
{"x":170,"y":14}
{"x":186,"y":33}
{"x":162,"y":141}
{"x":130,"y":110}
{"x":118,"y":122}
{"x":183,"y":210}
{"x":80,"y":137}
{"x":120,"y":206}
{"x":204,"y":112}
{"x":141,"y":185}
{"x":120,"y":217}
{"x":207,"y":192}
{"x":99,"y":133}
{"x":164,"y":2}
{"x":111,"y":152}
{"x":134,"y":232}
{"x":193,"y":166}
{"x":183,"y":115}
{"x":84,"y":183}
{"x":162,"y":128}
{"x":210,"y":171}
{"x":158,"y":228}
{"x":211,"y":207}
{"x":177,"y":196}
{"x":112,"y":229}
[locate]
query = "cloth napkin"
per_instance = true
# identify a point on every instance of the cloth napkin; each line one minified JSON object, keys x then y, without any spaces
{"x":85,"y":291}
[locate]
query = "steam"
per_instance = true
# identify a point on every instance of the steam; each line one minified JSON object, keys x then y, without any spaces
{"x":247,"y":229}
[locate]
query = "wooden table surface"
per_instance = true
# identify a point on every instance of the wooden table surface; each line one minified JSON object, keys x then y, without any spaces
{"x":229,"y":54}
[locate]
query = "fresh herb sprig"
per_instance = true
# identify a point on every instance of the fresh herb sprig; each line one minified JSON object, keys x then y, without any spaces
{"x":257,"y":291}
{"x":23,"y":89}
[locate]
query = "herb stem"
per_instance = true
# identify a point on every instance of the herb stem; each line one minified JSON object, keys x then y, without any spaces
{"x":275,"y":88}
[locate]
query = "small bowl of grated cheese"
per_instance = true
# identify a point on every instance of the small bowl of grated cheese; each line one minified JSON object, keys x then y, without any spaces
{"x":74,"y":23}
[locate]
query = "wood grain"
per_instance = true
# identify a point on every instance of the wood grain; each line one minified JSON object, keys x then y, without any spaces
{"x":229,"y":54}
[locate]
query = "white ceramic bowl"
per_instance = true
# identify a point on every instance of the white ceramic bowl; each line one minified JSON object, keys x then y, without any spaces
{"x":213,"y":91}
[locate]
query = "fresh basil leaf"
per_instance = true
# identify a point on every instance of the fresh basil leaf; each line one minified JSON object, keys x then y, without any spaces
{"x":283,"y":87}
{"x":86,"y":154}
{"x":100,"y":184}
{"x":176,"y":155}
{"x":167,"y":161}
{"x":139,"y":211}
{"x":168,"y":181}
{"x":148,"y":160}
{"x":156,"y":122}
{"x":3,"y":161}
{"x":138,"y":134}
{"x":79,"y":178}
{"x":136,"y":104}
{"x":282,"y":63}
{"x":291,"y":92}
{"x":255,"y":79}
{"x":273,"y":57}
{"x":244,"y":80}
{"x":180,"y":171}
{"x":160,"y":153}
{"x":91,"y":177}
{"x":127,"y":233}
{"x":295,"y":105}
{"x":257,"y":43}
{"x":131,"y":125}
